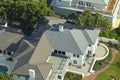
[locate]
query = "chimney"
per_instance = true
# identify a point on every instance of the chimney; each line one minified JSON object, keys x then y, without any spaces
{"x":31,"y":74}
{"x":61,"y":28}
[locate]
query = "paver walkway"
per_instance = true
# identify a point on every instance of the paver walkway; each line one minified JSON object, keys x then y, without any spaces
{"x":93,"y":76}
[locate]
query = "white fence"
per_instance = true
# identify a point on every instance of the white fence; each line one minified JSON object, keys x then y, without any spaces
{"x":103,"y":39}
{"x":107,"y":52}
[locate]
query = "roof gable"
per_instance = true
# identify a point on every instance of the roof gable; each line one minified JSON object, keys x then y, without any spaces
{"x":42,"y":51}
{"x":62,"y":41}
{"x":91,"y":35}
{"x":74,"y":41}
{"x":80,"y":40}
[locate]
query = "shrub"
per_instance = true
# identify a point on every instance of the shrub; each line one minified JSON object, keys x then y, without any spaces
{"x":72,"y":76}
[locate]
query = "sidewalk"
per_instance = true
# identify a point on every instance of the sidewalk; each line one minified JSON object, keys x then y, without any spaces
{"x":93,"y":76}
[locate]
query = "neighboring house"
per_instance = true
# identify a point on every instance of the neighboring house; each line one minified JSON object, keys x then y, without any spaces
{"x":73,"y":45}
{"x":109,"y":8}
{"x":9,"y":40}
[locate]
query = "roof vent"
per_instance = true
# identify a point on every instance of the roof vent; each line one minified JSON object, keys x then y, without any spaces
{"x":31,"y":74}
{"x":61,"y":28}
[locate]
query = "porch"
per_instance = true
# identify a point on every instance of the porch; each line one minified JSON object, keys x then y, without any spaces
{"x":100,"y":53}
{"x":59,"y":67}
{"x":83,"y":7}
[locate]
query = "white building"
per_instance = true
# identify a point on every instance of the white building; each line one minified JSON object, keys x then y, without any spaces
{"x":109,"y":8}
{"x":75,"y":44}
{"x":67,"y":46}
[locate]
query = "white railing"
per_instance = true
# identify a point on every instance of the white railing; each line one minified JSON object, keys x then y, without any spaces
{"x":64,"y":68}
{"x":83,"y":7}
{"x":60,"y":71}
{"x":107,"y":52}
{"x":79,"y":73}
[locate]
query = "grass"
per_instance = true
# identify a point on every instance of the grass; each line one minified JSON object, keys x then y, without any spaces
{"x":72,"y":76}
{"x":100,"y":64}
{"x":113,"y":72}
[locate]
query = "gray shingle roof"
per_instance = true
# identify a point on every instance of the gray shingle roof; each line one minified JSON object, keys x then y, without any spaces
{"x":80,"y":40}
{"x":35,"y":59}
{"x":62,"y":41}
{"x":75,"y":41}
{"x":91,"y":35}
{"x":9,"y":40}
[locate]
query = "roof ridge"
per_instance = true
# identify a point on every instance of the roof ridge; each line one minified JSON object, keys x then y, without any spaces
{"x":75,"y":40}
{"x":29,"y":43}
{"x":85,"y":31}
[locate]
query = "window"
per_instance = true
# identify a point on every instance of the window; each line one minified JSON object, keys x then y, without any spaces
{"x":78,"y":55}
{"x":63,"y":53}
{"x":4,"y":52}
{"x":88,"y":4}
{"x":81,"y":2}
{"x":75,"y":61}
{"x":9,"y":53}
{"x":59,"y":52}
{"x":74,"y":55}
{"x":0,"y":51}
{"x":89,"y":52}
{"x":55,"y":51}
{"x":59,"y":77}
{"x":89,"y":45}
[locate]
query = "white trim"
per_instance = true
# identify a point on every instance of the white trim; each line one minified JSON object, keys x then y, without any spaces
{"x":48,"y":59}
{"x":79,"y":73}
{"x":49,"y":74}
{"x":107,"y":50}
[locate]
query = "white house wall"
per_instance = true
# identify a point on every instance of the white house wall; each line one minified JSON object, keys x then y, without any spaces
{"x":63,"y":3}
{"x":99,"y":6}
{"x":79,"y":60}
{"x":66,"y":4}
{"x":94,"y":46}
{"x":85,"y":55}
{"x":62,"y":11}
{"x":75,"y":1}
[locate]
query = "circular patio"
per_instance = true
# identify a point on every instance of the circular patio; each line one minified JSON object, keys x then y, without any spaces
{"x":101,"y":51}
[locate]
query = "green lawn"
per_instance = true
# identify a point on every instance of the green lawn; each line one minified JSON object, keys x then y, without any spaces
{"x":72,"y":76}
{"x":113,"y":72}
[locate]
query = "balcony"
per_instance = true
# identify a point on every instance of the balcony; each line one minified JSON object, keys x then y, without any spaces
{"x":77,"y":6}
{"x":105,"y":11}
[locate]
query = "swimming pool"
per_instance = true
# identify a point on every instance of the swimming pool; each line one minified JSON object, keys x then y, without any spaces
{"x":3,"y":69}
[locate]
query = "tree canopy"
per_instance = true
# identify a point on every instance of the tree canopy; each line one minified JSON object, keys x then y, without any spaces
{"x":5,"y":76}
{"x":24,"y":12}
{"x":93,"y":20}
